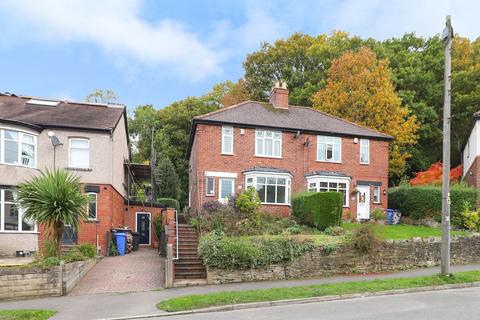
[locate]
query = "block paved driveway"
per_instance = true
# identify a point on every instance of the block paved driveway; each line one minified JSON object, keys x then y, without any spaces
{"x":142,"y":270}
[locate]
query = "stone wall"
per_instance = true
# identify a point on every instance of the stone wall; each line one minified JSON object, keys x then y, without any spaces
{"x":391,"y":256}
{"x":23,"y":282}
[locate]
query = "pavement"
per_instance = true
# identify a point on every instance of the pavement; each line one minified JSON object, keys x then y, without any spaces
{"x":141,"y":270}
{"x":110,"y":305}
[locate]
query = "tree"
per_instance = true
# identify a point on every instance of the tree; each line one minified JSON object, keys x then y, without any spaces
{"x":359,"y":89}
{"x":433,"y":175}
{"x":235,"y":93}
{"x":53,"y":198}
{"x":102,"y":96}
{"x":168,"y":183}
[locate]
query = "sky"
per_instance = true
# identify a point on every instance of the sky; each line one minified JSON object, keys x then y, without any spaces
{"x":159,"y":51}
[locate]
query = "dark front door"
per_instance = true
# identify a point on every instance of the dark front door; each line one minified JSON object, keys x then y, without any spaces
{"x":69,"y":236}
{"x":143,"y":227}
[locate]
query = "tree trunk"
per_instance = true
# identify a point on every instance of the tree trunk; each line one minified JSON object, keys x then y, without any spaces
{"x":58,"y":228}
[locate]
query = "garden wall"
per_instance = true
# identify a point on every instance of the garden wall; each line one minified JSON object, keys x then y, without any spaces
{"x":23,"y":282}
{"x":391,"y":256}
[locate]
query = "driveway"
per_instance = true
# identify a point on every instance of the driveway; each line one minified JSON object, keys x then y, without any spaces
{"x":142,"y":270}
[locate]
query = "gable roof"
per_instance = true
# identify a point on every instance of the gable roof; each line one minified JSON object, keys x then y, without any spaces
{"x":69,"y":115}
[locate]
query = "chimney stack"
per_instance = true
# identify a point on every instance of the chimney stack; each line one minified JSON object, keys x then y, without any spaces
{"x":279,"y":95}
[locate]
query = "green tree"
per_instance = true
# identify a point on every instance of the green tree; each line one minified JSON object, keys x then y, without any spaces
{"x":54,"y":199}
{"x":102,"y":96}
{"x":168,"y":183}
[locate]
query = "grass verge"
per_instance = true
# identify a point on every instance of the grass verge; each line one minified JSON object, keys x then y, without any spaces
{"x":26,"y":314}
{"x":234,"y":297}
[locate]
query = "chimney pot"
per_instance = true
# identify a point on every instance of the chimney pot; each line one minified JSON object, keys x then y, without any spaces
{"x":279,"y":95}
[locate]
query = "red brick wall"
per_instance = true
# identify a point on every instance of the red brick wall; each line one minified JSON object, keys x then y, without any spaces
{"x":474,"y":178}
{"x":132,"y":223}
{"x":298,"y":159}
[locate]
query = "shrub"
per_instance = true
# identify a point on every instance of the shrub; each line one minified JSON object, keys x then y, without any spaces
{"x":49,"y":262}
{"x":378,"y":215}
{"x":364,"y":239}
{"x":420,"y":202}
{"x":335,"y":231}
{"x":296,"y":229}
{"x":73,"y":255}
{"x":318,"y":209}
{"x":248,"y":202}
{"x":470,"y":219}
{"x":169,"y":203}
{"x":241,"y":253}
{"x":213,"y":206}
{"x":88,"y":250}
{"x":157,"y":224}
{"x":50,"y":249}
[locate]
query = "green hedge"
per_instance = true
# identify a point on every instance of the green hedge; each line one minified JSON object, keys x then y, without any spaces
{"x":418,"y":202}
{"x":169,"y":203}
{"x":241,"y":253}
{"x":318,"y":209}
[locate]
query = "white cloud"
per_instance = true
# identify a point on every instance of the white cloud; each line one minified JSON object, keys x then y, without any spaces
{"x":115,"y":26}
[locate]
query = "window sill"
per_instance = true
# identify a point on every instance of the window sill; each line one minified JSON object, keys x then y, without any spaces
{"x":91,"y":221}
{"x":276,"y":204}
{"x":227,"y":154}
{"x":78,"y":169}
{"x":18,"y":165}
{"x":18,"y":232}
{"x":325,"y":161}
{"x":271,"y":157}
{"x":209,"y":195}
{"x":365,"y":164}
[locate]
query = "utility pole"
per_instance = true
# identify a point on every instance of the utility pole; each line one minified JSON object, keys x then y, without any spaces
{"x":447,"y":36}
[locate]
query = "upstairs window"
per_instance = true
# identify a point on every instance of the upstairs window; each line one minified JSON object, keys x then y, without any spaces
{"x":79,"y":153}
{"x":227,"y":140}
{"x":364,"y":151}
{"x":329,"y":149}
{"x":268,"y":143}
{"x":17,"y":148}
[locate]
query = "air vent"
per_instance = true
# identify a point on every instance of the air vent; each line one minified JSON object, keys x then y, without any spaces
{"x":43,"y":103}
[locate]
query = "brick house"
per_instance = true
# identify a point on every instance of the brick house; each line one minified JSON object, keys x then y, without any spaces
{"x":90,"y":140}
{"x":471,"y":154}
{"x":280,"y":150}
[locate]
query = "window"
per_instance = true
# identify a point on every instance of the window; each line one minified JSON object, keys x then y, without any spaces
{"x":329,"y":149}
{"x":79,"y":156}
{"x":227,"y":140}
{"x":210,"y":186}
{"x":271,"y":189}
{"x":11,"y":218}
{"x":92,"y":206}
{"x":226,"y":189}
{"x":329,"y":184}
{"x":17,"y":148}
{"x":268,"y":143}
{"x":364,"y":151}
{"x":376,"y":194}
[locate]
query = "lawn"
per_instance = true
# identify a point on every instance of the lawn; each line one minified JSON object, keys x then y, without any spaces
{"x":234,"y":297}
{"x":26,"y":314}
{"x":401,"y":231}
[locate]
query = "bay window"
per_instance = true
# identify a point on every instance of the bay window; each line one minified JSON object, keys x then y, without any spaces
{"x":17,"y":148}
{"x":330,"y":184}
{"x":329,"y":149}
{"x":272,"y":189}
{"x":268,"y":143}
{"x":11,"y":217}
{"x":79,"y":153}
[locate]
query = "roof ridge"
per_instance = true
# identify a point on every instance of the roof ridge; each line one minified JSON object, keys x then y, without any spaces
{"x":222,"y":109}
{"x":345,"y":120}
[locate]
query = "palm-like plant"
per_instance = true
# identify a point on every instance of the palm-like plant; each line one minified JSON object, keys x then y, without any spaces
{"x":55,"y":199}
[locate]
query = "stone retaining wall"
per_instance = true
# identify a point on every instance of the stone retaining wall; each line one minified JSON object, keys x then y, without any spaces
{"x":391,"y":256}
{"x":20,"y":283}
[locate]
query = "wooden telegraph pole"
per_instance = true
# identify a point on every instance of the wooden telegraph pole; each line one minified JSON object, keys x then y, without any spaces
{"x":447,"y":36}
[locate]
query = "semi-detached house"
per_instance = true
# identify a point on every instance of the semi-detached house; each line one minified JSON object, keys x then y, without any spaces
{"x":280,"y":150}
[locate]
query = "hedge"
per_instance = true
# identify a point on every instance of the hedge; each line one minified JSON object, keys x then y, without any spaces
{"x":242,"y":253}
{"x":169,"y":203}
{"x":418,"y":202}
{"x":318,"y":209}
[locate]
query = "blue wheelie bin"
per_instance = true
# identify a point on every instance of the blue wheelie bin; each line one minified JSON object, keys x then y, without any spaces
{"x":121,"y":240}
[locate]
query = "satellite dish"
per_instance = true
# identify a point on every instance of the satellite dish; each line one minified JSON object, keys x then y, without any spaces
{"x":55,"y":141}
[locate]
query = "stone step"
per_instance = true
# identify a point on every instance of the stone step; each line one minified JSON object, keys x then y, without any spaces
{"x":196,"y":262}
{"x":191,"y":276}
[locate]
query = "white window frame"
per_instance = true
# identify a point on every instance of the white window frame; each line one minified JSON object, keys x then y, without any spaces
{"x":225,"y":200}
{"x":206,"y":186}
{"x":363,"y":147}
{"x":223,"y":140}
{"x":379,"y":188}
{"x":70,"y":139}
{"x":20,"y":216}
{"x":96,"y":206}
{"x":263,"y":138}
{"x":288,"y":184}
{"x":328,"y":179}
{"x":336,"y":142}
{"x":20,"y":135}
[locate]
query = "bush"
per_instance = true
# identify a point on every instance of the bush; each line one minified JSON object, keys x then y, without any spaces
{"x":364,"y":239}
{"x":242,"y":253}
{"x":470,"y":218}
{"x":169,"y":203}
{"x":378,"y":215}
{"x":248,"y":203}
{"x":157,"y":224}
{"x":419,"y":202}
{"x":88,"y":250}
{"x":335,"y":231}
{"x":50,"y":249}
{"x":73,"y":255}
{"x":318,"y":209}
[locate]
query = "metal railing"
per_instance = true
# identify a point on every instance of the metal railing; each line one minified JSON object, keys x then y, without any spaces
{"x":176,"y":235}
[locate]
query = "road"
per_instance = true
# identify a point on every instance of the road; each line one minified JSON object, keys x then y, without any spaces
{"x":458,"y":304}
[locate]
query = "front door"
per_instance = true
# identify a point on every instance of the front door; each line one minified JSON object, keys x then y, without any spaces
{"x":363,"y":202}
{"x":143,"y":227}
{"x":69,"y":236}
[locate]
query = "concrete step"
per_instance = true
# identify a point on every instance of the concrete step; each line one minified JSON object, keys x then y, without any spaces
{"x":190,"y":282}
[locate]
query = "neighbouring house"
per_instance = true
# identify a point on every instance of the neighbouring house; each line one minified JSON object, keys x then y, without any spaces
{"x":471,"y":154}
{"x":90,"y":140}
{"x":280,"y":150}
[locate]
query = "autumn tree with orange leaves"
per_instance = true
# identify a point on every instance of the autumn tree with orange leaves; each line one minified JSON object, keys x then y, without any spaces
{"x":433,"y":175}
{"x":359,"y":88}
